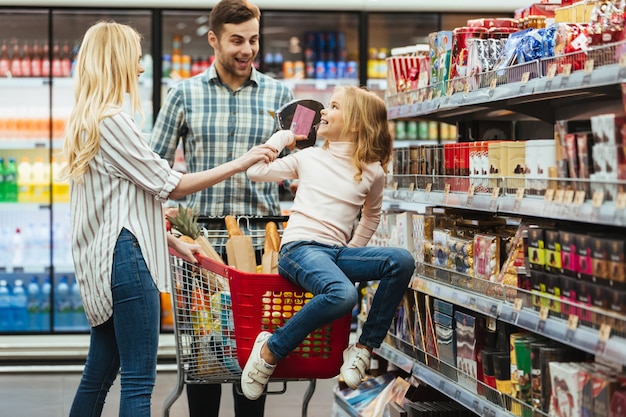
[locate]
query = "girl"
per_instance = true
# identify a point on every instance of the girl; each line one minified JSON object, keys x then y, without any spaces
{"x":118,"y":234}
{"x":338,"y":183}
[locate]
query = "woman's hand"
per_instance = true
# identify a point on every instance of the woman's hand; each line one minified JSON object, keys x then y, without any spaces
{"x":186,"y":250}
{"x":265,"y":153}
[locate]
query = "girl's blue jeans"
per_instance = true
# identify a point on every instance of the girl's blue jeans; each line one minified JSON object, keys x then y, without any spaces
{"x":127,"y":342}
{"x":329,"y":272}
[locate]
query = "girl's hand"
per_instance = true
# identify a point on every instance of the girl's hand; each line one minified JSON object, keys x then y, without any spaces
{"x":296,"y":138}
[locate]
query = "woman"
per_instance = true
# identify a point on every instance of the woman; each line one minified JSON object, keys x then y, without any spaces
{"x":119,"y":247}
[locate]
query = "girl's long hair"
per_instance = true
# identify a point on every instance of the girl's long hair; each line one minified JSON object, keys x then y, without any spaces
{"x":365,"y":119}
{"x":106,"y":69}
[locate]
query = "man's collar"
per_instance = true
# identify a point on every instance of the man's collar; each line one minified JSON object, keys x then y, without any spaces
{"x":213,"y":76}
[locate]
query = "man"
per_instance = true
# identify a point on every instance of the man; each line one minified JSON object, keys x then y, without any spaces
{"x":219,"y":115}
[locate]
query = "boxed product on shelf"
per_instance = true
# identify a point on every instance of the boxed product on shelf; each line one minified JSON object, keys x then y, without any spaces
{"x":468,"y":346}
{"x":566,"y":398}
{"x":486,"y":256}
{"x":552,"y":251}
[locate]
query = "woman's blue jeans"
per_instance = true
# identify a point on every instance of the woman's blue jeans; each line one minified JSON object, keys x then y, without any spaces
{"x":329,"y":272}
{"x":127,"y":342}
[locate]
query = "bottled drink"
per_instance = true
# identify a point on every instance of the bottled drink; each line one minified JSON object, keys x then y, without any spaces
{"x":62,"y":304}
{"x":34,"y":307}
{"x":25,"y":181}
{"x":25,"y":62}
{"x":5,"y":61}
{"x":44,"y":304}
{"x":40,"y":182}
{"x":16,"y":62}
{"x":18,"y":248}
{"x":5,"y":307}
{"x":10,"y":182}
{"x":19,"y":306}
{"x":35,"y":62}
{"x":2,"y":181}
{"x":79,"y":320}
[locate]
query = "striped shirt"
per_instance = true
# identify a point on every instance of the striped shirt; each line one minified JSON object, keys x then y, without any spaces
{"x":124,"y":186}
{"x":222,"y":125}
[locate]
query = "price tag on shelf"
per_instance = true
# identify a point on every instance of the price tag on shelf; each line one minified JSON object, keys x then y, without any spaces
{"x":493,"y":84}
{"x":621,"y":75}
{"x":579,"y":197}
{"x":544,"y":311}
{"x":446,"y":193}
{"x":493,"y":204}
{"x":598,"y":199}
{"x":559,"y":196}
{"x":411,"y":187}
{"x":519,"y":196}
{"x":394,"y":186}
{"x":567,"y":69}
{"x":588,"y":66}
{"x":430,"y":95}
{"x":620,"y":204}
{"x":572,"y":325}
{"x":470,"y":195}
{"x":466,"y":89}
{"x":603,"y":336}
{"x":517,"y":307}
{"x":525,"y":77}
{"x":549,"y":196}
{"x":568,"y":197}
{"x":551,"y":71}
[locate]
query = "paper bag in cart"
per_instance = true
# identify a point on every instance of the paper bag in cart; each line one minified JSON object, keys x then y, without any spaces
{"x":240,"y":253}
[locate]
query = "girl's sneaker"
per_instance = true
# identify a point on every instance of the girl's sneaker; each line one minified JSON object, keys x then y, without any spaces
{"x":356,"y":362}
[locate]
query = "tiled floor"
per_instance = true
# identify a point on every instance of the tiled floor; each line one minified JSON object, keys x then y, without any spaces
{"x":51,"y":394}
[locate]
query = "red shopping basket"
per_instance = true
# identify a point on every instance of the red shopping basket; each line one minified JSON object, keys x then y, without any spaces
{"x":264,"y":302}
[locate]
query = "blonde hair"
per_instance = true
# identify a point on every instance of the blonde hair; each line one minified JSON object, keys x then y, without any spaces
{"x":365,"y":119}
{"x":106,"y":69}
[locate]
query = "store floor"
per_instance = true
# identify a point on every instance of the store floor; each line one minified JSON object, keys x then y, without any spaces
{"x":51,"y":394}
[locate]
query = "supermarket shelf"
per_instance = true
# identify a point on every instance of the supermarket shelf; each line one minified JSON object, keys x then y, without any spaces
{"x":513,"y":305}
{"x":569,"y":202}
{"x":452,"y":389}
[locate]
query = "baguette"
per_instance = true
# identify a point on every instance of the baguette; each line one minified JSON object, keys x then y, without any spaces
{"x":232,"y":226}
{"x":272,"y":238}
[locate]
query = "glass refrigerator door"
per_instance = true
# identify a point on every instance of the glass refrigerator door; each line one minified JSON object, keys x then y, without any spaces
{"x":311,"y":51}
{"x":25,"y":148}
{"x":393,"y":30}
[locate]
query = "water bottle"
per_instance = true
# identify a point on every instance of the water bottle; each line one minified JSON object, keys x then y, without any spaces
{"x":33,"y":292}
{"x":44,"y":304}
{"x":18,"y":248}
{"x":19,"y":306}
{"x":62,"y":305}
{"x":79,"y":320}
{"x":6,"y":318}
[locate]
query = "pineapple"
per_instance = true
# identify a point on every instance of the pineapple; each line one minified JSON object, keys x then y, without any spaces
{"x":186,"y":222}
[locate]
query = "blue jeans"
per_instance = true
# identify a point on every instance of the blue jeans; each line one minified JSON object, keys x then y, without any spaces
{"x":127,"y":341}
{"x":329,"y":272}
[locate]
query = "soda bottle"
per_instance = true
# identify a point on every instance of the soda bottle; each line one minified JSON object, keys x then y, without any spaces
{"x":5,"y":61}
{"x":44,"y":304}
{"x":10,"y":182}
{"x":19,"y":306}
{"x":5,"y":307}
{"x":34,"y":300}
{"x":2,"y":181}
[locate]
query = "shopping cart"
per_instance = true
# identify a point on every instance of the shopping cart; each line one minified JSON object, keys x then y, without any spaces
{"x":218,"y":312}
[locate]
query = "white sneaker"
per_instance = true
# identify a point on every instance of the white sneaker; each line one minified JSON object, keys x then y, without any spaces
{"x":356,"y":361}
{"x":256,"y":374}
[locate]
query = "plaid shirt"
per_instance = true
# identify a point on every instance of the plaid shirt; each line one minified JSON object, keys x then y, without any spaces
{"x":222,"y":125}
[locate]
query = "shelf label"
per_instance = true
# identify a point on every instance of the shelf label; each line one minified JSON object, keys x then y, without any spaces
{"x":519,"y":195}
{"x":543,"y":317}
{"x":493,"y":83}
{"x":493,"y":204}
{"x":559,"y":196}
{"x":603,"y":336}
{"x":567,"y":69}
{"x":470,"y":195}
{"x":579,"y":197}
{"x":620,"y":204}
{"x":572,"y":325}
{"x":549,"y":196}
{"x":588,"y":66}
{"x":598,"y":199}
{"x":568,"y":197}
{"x":622,"y":67}
{"x":525,"y":77}
{"x":411,"y":187}
{"x":446,"y":188}
{"x":551,"y":71}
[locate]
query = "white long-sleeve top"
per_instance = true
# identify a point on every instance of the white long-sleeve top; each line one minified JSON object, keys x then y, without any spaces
{"x":124,"y":187}
{"x":328,"y":199}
